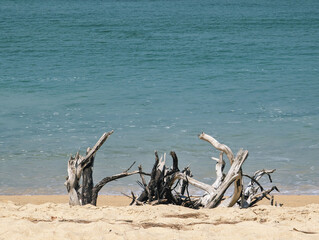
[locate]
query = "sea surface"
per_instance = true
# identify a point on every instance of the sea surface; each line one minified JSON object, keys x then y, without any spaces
{"x":158,"y":73}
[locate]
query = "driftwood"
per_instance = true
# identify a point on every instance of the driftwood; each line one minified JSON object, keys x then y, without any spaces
{"x":162,"y":187}
{"x":215,"y":193}
{"x":169,"y":185}
{"x":159,"y":189}
{"x":254,"y":191}
{"x":80,"y":167}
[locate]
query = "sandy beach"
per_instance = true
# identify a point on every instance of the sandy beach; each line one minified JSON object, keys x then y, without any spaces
{"x":50,"y":217}
{"x":162,"y":98}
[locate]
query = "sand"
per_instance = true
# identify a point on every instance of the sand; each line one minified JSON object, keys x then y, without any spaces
{"x":50,"y":217}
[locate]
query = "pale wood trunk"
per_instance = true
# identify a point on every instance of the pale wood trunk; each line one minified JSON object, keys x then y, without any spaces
{"x":80,"y":167}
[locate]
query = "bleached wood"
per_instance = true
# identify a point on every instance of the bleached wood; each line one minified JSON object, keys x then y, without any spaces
{"x":222,"y":182}
{"x":258,"y":174}
{"x":75,"y":168}
{"x":215,"y":192}
{"x":76,"y":165}
{"x":96,"y":147}
{"x":207,"y":188}
{"x":253,"y":199}
{"x":221,"y":147}
{"x":251,"y":195}
{"x":161,"y":164}
{"x":219,"y":170}
{"x":234,"y":175}
{"x":72,"y":181}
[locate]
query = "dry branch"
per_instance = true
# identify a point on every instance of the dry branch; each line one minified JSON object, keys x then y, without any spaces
{"x":221,"y":147}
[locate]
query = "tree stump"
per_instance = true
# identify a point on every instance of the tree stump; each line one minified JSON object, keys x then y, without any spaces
{"x":80,"y":167}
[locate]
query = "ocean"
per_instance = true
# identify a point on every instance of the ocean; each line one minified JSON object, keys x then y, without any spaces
{"x":158,"y":73}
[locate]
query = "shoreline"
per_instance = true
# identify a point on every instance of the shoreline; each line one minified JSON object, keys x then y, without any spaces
{"x":121,"y":201}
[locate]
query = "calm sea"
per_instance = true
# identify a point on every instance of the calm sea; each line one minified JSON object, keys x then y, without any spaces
{"x":158,"y":73}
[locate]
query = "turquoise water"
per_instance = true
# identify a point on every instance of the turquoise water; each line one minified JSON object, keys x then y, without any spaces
{"x":158,"y":73}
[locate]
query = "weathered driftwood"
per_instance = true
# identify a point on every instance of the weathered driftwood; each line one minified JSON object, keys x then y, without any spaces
{"x":87,"y":181}
{"x":170,"y":185}
{"x":254,"y":191}
{"x":80,"y":167}
{"x":215,"y":192}
{"x":160,"y":188}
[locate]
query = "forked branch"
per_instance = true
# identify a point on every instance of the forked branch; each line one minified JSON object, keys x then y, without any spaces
{"x":82,"y":168}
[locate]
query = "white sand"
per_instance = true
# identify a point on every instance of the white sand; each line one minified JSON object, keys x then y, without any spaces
{"x":60,"y":221}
